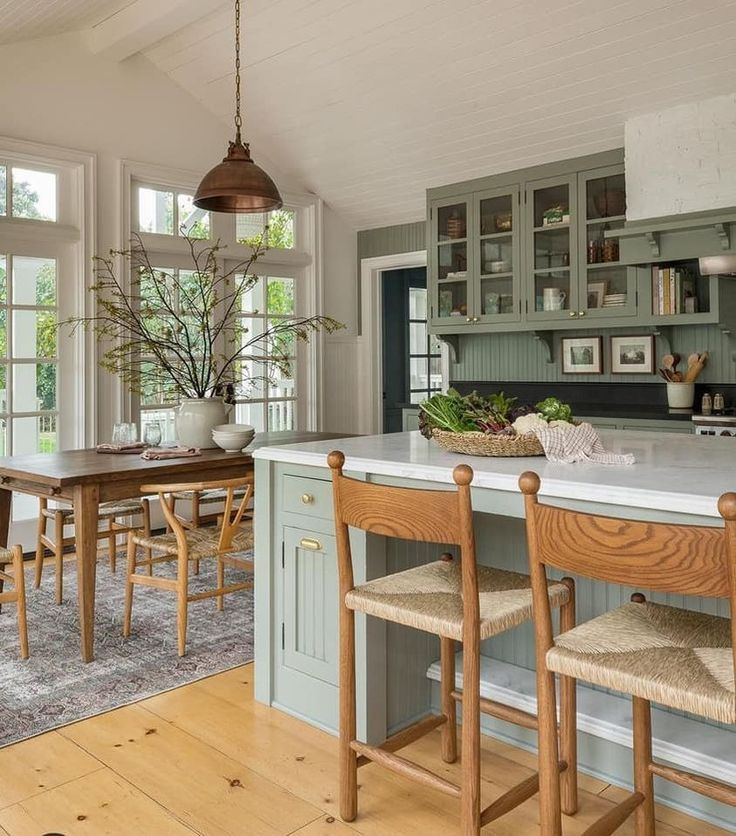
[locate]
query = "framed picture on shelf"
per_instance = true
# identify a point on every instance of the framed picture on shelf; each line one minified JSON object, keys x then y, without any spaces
{"x":582,"y":355}
{"x":596,"y":292}
{"x":632,"y":355}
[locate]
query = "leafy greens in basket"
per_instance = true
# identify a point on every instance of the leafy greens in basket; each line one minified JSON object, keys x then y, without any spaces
{"x":491,"y":414}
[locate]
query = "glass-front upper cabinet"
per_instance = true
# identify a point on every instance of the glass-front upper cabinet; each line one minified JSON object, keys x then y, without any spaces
{"x":451,"y":224}
{"x":551,"y":248}
{"x":498,"y":226}
{"x":608,"y":288}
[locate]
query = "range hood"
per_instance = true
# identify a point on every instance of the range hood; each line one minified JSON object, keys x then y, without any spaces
{"x":721,"y":265}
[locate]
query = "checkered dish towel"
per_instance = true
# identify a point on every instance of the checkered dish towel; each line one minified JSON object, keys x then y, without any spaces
{"x":576,"y":443}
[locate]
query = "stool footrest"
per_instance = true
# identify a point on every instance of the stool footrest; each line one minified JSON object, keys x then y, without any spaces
{"x":503,"y":712}
{"x":510,"y":799}
{"x":406,"y":768}
{"x":717,"y":790}
{"x":616,"y":817}
{"x":408,"y":735}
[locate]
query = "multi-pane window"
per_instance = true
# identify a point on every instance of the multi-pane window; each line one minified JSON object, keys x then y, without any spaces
{"x":28,"y":193}
{"x":267,"y":399}
{"x":29,"y":356}
{"x":425,"y":370}
{"x":171,"y":213}
{"x":275,"y":229}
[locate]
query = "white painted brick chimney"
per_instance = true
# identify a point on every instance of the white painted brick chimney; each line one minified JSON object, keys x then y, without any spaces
{"x":682,"y":159}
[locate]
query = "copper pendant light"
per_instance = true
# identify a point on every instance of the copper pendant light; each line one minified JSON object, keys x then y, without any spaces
{"x":237,"y":184}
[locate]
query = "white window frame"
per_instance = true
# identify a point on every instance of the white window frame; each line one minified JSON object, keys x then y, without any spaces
{"x":71,"y":241}
{"x":306,"y":256}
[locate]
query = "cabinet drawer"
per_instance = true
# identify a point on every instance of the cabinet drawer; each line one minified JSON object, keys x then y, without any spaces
{"x":308,"y":496}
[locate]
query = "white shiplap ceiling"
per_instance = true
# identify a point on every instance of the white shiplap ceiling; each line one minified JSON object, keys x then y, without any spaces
{"x":22,"y":20}
{"x":369,"y":102}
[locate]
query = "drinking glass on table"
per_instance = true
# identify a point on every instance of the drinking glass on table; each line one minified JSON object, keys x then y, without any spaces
{"x":132,"y":433}
{"x":119,"y":433}
{"x":152,"y":434}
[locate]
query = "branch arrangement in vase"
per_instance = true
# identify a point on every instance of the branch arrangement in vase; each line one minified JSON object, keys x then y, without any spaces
{"x":181,"y":333}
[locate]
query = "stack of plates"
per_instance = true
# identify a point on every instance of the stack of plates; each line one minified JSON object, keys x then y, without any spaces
{"x":614,"y":300}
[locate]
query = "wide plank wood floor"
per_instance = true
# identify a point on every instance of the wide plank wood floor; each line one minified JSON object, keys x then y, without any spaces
{"x":207,"y":759}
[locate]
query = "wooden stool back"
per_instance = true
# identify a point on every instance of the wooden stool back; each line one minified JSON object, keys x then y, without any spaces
{"x":427,"y":516}
{"x":666,"y":557}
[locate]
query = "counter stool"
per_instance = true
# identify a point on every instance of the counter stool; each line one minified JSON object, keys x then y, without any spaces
{"x":455,"y":600}
{"x":182,"y":545}
{"x":682,"y":659}
{"x":63,"y":516}
{"x":17,"y":594}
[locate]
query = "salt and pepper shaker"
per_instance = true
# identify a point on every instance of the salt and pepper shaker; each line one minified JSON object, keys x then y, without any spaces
{"x":706,"y":405}
{"x":718,"y":404}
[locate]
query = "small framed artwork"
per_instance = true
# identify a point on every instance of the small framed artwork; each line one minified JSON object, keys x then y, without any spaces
{"x":596,"y":292}
{"x":632,"y":355}
{"x":582,"y":355}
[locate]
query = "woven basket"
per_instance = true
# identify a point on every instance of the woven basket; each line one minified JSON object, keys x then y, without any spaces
{"x":480,"y":444}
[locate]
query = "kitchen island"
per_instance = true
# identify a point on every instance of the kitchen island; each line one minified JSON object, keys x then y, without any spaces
{"x":676,"y":478}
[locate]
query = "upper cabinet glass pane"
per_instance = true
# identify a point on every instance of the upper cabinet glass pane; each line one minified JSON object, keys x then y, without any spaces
{"x":452,"y":222}
{"x":606,"y":197}
{"x":3,"y":190}
{"x":33,"y":194}
{"x":496,"y":215}
{"x":193,"y":222}
{"x":275,"y":229}
{"x":155,"y":211}
{"x":552,"y":206}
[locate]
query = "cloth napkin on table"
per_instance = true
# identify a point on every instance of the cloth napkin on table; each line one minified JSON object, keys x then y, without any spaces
{"x":578,"y":443}
{"x":115,"y":447}
{"x":153,"y":453}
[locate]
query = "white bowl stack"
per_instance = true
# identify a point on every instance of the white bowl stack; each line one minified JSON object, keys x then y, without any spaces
{"x":233,"y":437}
{"x":614,"y":300}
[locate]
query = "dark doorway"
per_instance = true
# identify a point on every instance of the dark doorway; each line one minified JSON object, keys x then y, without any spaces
{"x":411,"y":358}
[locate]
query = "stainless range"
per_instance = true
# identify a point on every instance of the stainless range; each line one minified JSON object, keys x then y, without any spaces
{"x":715,"y":424}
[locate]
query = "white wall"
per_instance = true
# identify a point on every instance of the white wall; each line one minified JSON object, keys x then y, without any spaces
{"x":340,"y":366}
{"x":55,"y":91}
{"x":682,"y":159}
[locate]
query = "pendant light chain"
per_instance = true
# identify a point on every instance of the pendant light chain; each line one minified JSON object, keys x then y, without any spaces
{"x":238,"y":119}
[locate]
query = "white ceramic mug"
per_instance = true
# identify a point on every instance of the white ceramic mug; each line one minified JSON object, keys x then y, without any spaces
{"x":553,"y":299}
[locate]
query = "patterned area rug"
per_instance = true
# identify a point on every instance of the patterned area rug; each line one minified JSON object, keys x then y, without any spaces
{"x":54,"y":687}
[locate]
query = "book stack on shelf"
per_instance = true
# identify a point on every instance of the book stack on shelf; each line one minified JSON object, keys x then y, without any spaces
{"x":673,"y":291}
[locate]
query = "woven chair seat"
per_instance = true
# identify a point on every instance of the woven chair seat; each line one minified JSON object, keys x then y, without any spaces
{"x":6,"y":556}
{"x":202,"y":542}
{"x":106,"y":510}
{"x":210,"y":497}
{"x":676,"y":657}
{"x":429,"y":598}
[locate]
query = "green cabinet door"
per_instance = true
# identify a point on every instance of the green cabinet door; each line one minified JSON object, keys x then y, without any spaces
{"x":497,"y":275}
{"x":451,"y":261}
{"x":607,"y":288}
{"x":310,"y":598}
{"x":551,"y":249}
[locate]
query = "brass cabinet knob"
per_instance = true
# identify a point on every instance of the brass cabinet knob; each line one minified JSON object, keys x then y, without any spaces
{"x":581,"y":313}
{"x":468,"y":319}
{"x":573,"y":313}
{"x":307,"y":498}
{"x":309,"y":543}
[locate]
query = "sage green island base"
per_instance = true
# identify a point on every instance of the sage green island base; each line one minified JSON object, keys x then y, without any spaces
{"x":676,"y":478}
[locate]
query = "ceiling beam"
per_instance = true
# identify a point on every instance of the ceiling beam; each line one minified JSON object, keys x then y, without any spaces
{"x":143,"y":23}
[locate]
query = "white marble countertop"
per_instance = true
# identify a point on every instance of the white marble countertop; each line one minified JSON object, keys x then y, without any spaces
{"x":673,"y":472}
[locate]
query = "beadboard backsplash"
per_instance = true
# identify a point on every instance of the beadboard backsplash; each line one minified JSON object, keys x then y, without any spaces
{"x":523,"y":358}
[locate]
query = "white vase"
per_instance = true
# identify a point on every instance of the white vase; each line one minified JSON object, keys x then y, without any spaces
{"x":195,"y":419}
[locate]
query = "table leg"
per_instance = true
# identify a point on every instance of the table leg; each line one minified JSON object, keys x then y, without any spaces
{"x":5,"y":497}
{"x":86,"y":501}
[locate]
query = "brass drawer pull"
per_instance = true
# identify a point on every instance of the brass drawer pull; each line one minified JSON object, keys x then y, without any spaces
{"x":307,"y":498}
{"x":309,"y":543}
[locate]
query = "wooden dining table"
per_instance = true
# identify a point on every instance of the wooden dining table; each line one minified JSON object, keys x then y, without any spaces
{"x":85,"y":478}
